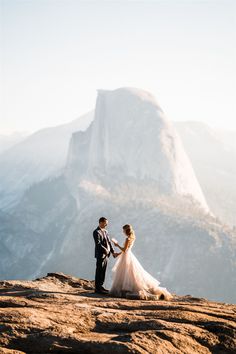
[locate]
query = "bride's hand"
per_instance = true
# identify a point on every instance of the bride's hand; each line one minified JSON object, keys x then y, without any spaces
{"x":114,"y":241}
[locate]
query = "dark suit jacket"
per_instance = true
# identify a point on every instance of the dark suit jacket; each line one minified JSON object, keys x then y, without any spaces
{"x":101,"y":244}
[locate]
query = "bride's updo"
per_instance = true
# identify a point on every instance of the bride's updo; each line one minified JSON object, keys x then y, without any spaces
{"x":129,"y":231}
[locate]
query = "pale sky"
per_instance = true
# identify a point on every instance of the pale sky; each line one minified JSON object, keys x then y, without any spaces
{"x":55,"y":54}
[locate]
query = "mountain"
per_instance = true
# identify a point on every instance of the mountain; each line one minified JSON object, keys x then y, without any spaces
{"x":39,"y":156}
{"x":59,"y":313}
{"x":29,"y":236}
{"x":228,"y":136}
{"x":211,"y":152}
{"x":7,"y":141}
{"x":131,"y":140}
{"x":130,"y":166}
{"x":213,"y":157}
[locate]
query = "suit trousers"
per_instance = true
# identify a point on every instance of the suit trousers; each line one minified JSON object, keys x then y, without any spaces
{"x":101,"y":267}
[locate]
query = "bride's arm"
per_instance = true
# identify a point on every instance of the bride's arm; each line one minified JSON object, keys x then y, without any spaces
{"x":123,"y":249}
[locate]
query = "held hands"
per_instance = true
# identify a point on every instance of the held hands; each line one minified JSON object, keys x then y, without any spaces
{"x":115,"y":254}
{"x":115,"y":242}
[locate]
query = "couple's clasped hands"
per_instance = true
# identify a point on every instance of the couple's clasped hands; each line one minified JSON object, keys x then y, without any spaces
{"x":115,"y":242}
{"x":114,"y":254}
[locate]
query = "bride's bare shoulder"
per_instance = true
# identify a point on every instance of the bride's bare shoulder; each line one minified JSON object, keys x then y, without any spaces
{"x":130,"y":239}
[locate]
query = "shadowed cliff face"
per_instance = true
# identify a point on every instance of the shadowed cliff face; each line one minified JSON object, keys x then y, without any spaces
{"x":60,"y":313}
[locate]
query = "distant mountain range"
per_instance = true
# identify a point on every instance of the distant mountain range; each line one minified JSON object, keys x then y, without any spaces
{"x":39,"y":156}
{"x":43,"y":155}
{"x":7,"y":141}
{"x":213,"y":156}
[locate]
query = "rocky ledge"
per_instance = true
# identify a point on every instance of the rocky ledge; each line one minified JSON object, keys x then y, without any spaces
{"x":60,"y":313}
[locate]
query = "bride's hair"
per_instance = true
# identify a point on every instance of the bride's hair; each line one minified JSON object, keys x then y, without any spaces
{"x":129,"y":231}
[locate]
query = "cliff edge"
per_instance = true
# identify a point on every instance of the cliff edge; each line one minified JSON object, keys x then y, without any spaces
{"x":61,"y":314}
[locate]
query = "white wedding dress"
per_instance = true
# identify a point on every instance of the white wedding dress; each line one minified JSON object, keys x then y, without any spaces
{"x":130,"y":279}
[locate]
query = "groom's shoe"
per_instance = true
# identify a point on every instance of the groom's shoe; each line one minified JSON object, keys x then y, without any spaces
{"x":104,"y":289}
{"x":101,"y":291}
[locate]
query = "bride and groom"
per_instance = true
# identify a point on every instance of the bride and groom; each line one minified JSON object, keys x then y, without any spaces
{"x":129,"y":277}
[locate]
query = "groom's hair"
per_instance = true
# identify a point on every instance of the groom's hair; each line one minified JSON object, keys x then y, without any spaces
{"x":102,"y":219}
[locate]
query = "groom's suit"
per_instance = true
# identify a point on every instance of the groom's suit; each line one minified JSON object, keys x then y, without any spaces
{"x":102,"y":243}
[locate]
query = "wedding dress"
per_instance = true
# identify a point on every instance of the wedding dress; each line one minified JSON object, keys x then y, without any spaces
{"x":131,"y":280}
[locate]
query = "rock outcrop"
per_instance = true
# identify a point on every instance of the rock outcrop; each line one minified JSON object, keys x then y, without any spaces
{"x":60,"y":313}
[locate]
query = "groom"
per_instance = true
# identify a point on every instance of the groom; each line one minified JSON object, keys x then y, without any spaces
{"x":103,"y":249}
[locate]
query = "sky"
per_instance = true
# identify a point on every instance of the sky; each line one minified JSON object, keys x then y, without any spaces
{"x":55,"y":54}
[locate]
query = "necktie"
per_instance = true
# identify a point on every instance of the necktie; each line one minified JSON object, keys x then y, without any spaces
{"x":107,"y":243}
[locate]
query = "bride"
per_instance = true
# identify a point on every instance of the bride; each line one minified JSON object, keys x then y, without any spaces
{"x":130,"y":279}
